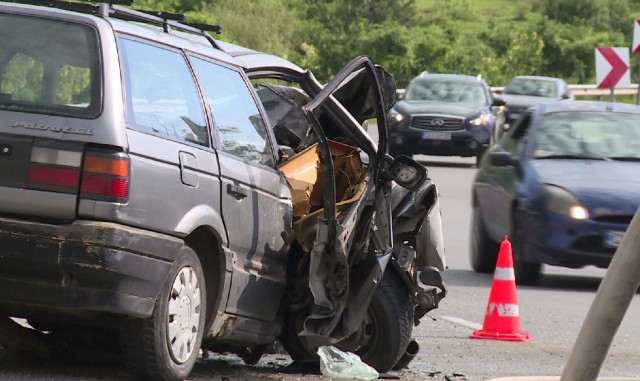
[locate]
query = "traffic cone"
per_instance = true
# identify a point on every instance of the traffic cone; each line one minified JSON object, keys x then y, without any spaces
{"x":502,"y":320}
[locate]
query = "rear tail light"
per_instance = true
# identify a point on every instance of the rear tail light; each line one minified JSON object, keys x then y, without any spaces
{"x":55,"y":170}
{"x":105,"y":176}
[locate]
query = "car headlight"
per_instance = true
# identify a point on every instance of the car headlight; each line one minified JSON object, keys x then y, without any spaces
{"x":396,"y":116}
{"x":559,"y":200}
{"x":482,"y":120}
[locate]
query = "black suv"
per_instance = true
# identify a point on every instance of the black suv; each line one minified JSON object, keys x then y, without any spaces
{"x":445,"y":115}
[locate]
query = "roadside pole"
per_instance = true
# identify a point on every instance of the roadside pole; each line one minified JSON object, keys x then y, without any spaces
{"x":616,"y":291}
{"x":635,"y":48}
{"x":638,"y":80}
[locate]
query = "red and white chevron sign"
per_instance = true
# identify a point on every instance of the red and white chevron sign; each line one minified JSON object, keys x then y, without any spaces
{"x":636,"y":37}
{"x":612,"y":68}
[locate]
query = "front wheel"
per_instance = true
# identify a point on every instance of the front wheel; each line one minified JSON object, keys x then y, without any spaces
{"x":484,"y":251}
{"x":384,"y":334}
{"x":165,"y":345}
{"x":388,"y":324}
{"x":526,"y":273}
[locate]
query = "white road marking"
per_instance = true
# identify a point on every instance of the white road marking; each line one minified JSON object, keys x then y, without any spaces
{"x":462,"y":322}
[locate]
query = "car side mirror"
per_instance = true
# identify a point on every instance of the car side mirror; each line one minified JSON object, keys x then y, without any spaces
{"x":498,"y":102}
{"x":502,"y":159}
{"x":407,"y":172}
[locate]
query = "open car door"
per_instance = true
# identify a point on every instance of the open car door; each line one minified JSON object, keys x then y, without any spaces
{"x":342,"y":184}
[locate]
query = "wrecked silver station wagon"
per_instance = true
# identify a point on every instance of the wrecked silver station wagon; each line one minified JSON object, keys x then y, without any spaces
{"x":190,"y":194}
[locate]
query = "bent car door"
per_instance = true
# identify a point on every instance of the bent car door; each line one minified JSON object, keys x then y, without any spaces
{"x":255,"y":203}
{"x":345,"y":232}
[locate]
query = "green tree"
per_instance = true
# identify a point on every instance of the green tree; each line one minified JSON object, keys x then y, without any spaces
{"x":268,"y":25}
{"x":335,"y":31}
{"x":601,"y":15}
{"x":569,"y":49}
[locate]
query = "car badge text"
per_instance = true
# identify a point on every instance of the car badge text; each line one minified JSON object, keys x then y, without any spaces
{"x":48,"y":127}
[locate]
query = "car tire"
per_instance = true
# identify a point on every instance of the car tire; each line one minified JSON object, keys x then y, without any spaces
{"x":289,"y":339}
{"x":165,"y":345}
{"x":526,"y":273}
{"x":388,"y":324}
{"x":385,"y":333}
{"x":483,"y":251}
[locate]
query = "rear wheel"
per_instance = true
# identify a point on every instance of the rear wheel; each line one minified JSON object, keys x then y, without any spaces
{"x":484,"y":252}
{"x":165,"y":345}
{"x":526,"y":273}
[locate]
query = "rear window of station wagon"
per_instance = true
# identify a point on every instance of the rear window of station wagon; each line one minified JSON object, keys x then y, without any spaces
{"x":49,"y":67}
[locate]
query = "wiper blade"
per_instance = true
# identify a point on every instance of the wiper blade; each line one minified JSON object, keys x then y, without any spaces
{"x":624,"y":158}
{"x":568,"y":156}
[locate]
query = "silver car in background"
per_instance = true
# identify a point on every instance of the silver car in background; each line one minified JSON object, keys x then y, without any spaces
{"x":525,"y":91}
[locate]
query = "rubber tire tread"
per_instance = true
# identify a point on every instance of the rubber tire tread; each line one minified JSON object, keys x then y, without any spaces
{"x":393,"y":307}
{"x":390,"y":298}
{"x":483,"y":251}
{"x":142,"y":338}
{"x":526,"y":273}
{"x":291,"y":342}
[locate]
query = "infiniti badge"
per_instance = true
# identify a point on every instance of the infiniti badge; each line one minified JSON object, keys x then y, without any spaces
{"x":437,"y":122}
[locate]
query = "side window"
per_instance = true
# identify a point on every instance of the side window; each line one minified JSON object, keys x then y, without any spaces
{"x":239,"y":123}
{"x":161,"y":93}
{"x":514,"y":142}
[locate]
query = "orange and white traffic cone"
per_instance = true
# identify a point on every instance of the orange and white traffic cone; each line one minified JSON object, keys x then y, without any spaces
{"x":502,"y":320}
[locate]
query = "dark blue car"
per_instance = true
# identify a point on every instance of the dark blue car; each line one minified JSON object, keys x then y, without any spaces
{"x":564,"y":184}
{"x":445,"y":115}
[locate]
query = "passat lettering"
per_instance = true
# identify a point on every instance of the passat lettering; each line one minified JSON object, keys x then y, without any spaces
{"x":47,"y":127}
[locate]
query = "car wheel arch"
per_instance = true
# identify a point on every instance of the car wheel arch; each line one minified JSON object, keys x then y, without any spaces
{"x":207,"y":245}
{"x":515,"y":206}
{"x":401,"y":276}
{"x":526,"y":273}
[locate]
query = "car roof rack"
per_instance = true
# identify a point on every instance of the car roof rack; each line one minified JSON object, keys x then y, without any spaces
{"x":112,"y":8}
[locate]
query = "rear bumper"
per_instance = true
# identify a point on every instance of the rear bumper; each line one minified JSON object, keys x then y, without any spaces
{"x":82,"y":268}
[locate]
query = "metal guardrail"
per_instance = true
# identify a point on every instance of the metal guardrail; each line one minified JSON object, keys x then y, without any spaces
{"x":582,"y":90}
{"x":592,"y":90}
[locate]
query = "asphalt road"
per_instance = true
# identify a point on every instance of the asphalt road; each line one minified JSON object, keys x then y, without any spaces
{"x":551,"y":313}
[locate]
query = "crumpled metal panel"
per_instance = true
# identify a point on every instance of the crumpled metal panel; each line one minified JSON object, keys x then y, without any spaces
{"x":283,"y":105}
{"x":421,"y":210}
{"x":340,"y":298}
{"x":329,"y":277}
{"x":430,"y":240}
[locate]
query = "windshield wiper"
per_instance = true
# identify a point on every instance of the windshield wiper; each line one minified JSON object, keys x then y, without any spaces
{"x":568,"y":156}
